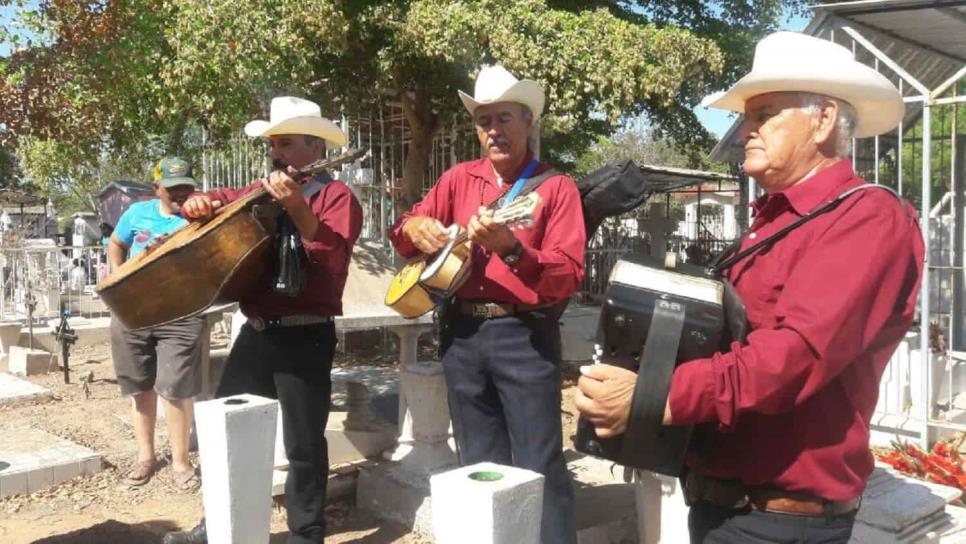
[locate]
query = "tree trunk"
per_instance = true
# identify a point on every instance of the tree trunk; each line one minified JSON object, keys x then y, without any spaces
{"x":175,"y":141}
{"x":423,"y":125}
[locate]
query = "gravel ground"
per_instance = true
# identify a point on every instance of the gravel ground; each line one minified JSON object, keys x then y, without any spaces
{"x":101,"y":509}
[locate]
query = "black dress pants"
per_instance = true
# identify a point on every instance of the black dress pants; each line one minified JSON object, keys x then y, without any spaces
{"x":503,"y":381}
{"x":292,"y":364}
{"x":711,"y":524}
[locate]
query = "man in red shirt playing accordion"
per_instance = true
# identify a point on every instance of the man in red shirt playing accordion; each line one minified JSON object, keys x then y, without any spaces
{"x":827,"y":304}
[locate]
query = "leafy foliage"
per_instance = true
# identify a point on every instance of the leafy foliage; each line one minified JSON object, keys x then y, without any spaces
{"x":114,"y":77}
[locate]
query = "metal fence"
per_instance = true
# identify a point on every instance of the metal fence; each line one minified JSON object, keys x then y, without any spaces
{"x":51,"y":277}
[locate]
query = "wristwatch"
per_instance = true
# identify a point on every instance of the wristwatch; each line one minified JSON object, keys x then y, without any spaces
{"x":514,"y":255}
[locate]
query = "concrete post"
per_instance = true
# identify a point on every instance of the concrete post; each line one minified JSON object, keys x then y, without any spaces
{"x":235,"y":437}
{"x":730,"y":222}
{"x":487,"y":503}
{"x":661,"y":512}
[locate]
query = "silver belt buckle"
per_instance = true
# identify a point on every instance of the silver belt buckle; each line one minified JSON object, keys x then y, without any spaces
{"x":482,"y":311}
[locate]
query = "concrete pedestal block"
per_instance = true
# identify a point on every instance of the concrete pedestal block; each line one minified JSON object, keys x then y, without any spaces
{"x":487,"y":503}
{"x":28,"y":362}
{"x":662,"y":515}
{"x":235,"y":441}
{"x":408,"y":344}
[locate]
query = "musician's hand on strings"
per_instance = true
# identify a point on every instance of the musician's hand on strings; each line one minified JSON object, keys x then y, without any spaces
{"x":494,"y":236}
{"x":284,"y":189}
{"x":199,"y":207}
{"x":426,"y":233}
{"x":604,"y":397}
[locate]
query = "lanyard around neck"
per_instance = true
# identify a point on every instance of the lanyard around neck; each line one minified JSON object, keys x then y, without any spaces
{"x":518,"y":185}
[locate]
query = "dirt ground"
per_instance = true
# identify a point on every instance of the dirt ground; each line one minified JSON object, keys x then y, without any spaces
{"x":101,"y":509}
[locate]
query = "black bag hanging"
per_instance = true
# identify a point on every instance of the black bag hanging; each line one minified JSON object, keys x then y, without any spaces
{"x":612,"y":190}
{"x":289,"y":276}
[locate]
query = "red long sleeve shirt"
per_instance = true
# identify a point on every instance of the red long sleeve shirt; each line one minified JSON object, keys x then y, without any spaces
{"x":551,"y":266}
{"x":340,"y":222}
{"x":828,"y":304}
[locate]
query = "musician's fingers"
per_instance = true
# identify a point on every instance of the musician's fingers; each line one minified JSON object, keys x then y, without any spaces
{"x":271,"y":187}
{"x":215,"y":203}
{"x":473,"y":229}
{"x":586,"y":406}
{"x":434,"y":229}
{"x":433,"y":232}
{"x":604,"y":430}
{"x":196,"y":207}
{"x":590,"y":387}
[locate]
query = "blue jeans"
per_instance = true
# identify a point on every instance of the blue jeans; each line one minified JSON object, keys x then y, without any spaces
{"x":711,"y":524}
{"x":503,"y":380}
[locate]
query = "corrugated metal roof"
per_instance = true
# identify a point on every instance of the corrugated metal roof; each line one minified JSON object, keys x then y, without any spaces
{"x":936,"y":27}
{"x":925,"y":38}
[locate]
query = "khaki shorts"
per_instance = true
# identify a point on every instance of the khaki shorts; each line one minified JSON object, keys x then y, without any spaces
{"x":166,"y":358}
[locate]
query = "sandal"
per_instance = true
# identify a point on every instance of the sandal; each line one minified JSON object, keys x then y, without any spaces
{"x":186,"y":481}
{"x":140,"y":472}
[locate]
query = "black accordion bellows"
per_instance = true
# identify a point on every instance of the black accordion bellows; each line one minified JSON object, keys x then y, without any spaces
{"x":653,"y":319}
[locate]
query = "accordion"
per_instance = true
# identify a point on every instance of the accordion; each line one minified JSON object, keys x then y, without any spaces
{"x":652,"y":320}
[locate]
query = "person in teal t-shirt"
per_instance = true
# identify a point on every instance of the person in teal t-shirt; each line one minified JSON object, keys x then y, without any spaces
{"x":164,"y":360}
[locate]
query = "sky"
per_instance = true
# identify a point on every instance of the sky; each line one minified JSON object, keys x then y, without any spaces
{"x":718,"y":121}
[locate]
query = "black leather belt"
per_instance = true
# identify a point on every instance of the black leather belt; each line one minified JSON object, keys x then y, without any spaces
{"x":262,"y":323}
{"x":736,"y":495}
{"x":490,"y":310}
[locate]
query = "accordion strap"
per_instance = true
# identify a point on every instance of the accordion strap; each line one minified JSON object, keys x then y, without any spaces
{"x":654,"y":376}
{"x":729,"y":257}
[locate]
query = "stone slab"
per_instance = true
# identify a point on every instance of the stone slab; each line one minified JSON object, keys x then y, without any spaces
{"x":30,"y":362}
{"x":923,"y":531}
{"x":9,"y":335}
{"x":94,"y":331}
{"x":347,"y":446}
{"x":17,"y":391}
{"x":390,"y":492}
{"x":894,"y":503}
{"x":957,"y":533}
{"x":31,"y":460}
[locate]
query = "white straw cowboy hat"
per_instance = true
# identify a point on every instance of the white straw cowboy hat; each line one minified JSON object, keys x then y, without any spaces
{"x":291,"y":115}
{"x":495,"y":84}
{"x":790,"y":61}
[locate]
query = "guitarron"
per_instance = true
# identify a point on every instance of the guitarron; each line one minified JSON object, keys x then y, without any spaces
{"x":427,"y":280}
{"x":203,"y":263}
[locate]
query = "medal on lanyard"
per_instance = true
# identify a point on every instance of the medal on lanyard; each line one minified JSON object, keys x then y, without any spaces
{"x":518,"y":185}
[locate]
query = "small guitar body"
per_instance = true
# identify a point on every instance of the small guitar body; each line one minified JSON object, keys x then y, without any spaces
{"x":427,"y":280}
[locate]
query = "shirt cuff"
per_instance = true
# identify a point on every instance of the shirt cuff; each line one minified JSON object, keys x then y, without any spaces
{"x":692,"y":393}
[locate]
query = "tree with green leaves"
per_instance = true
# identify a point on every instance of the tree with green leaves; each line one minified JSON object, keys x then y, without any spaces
{"x":104,"y":77}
